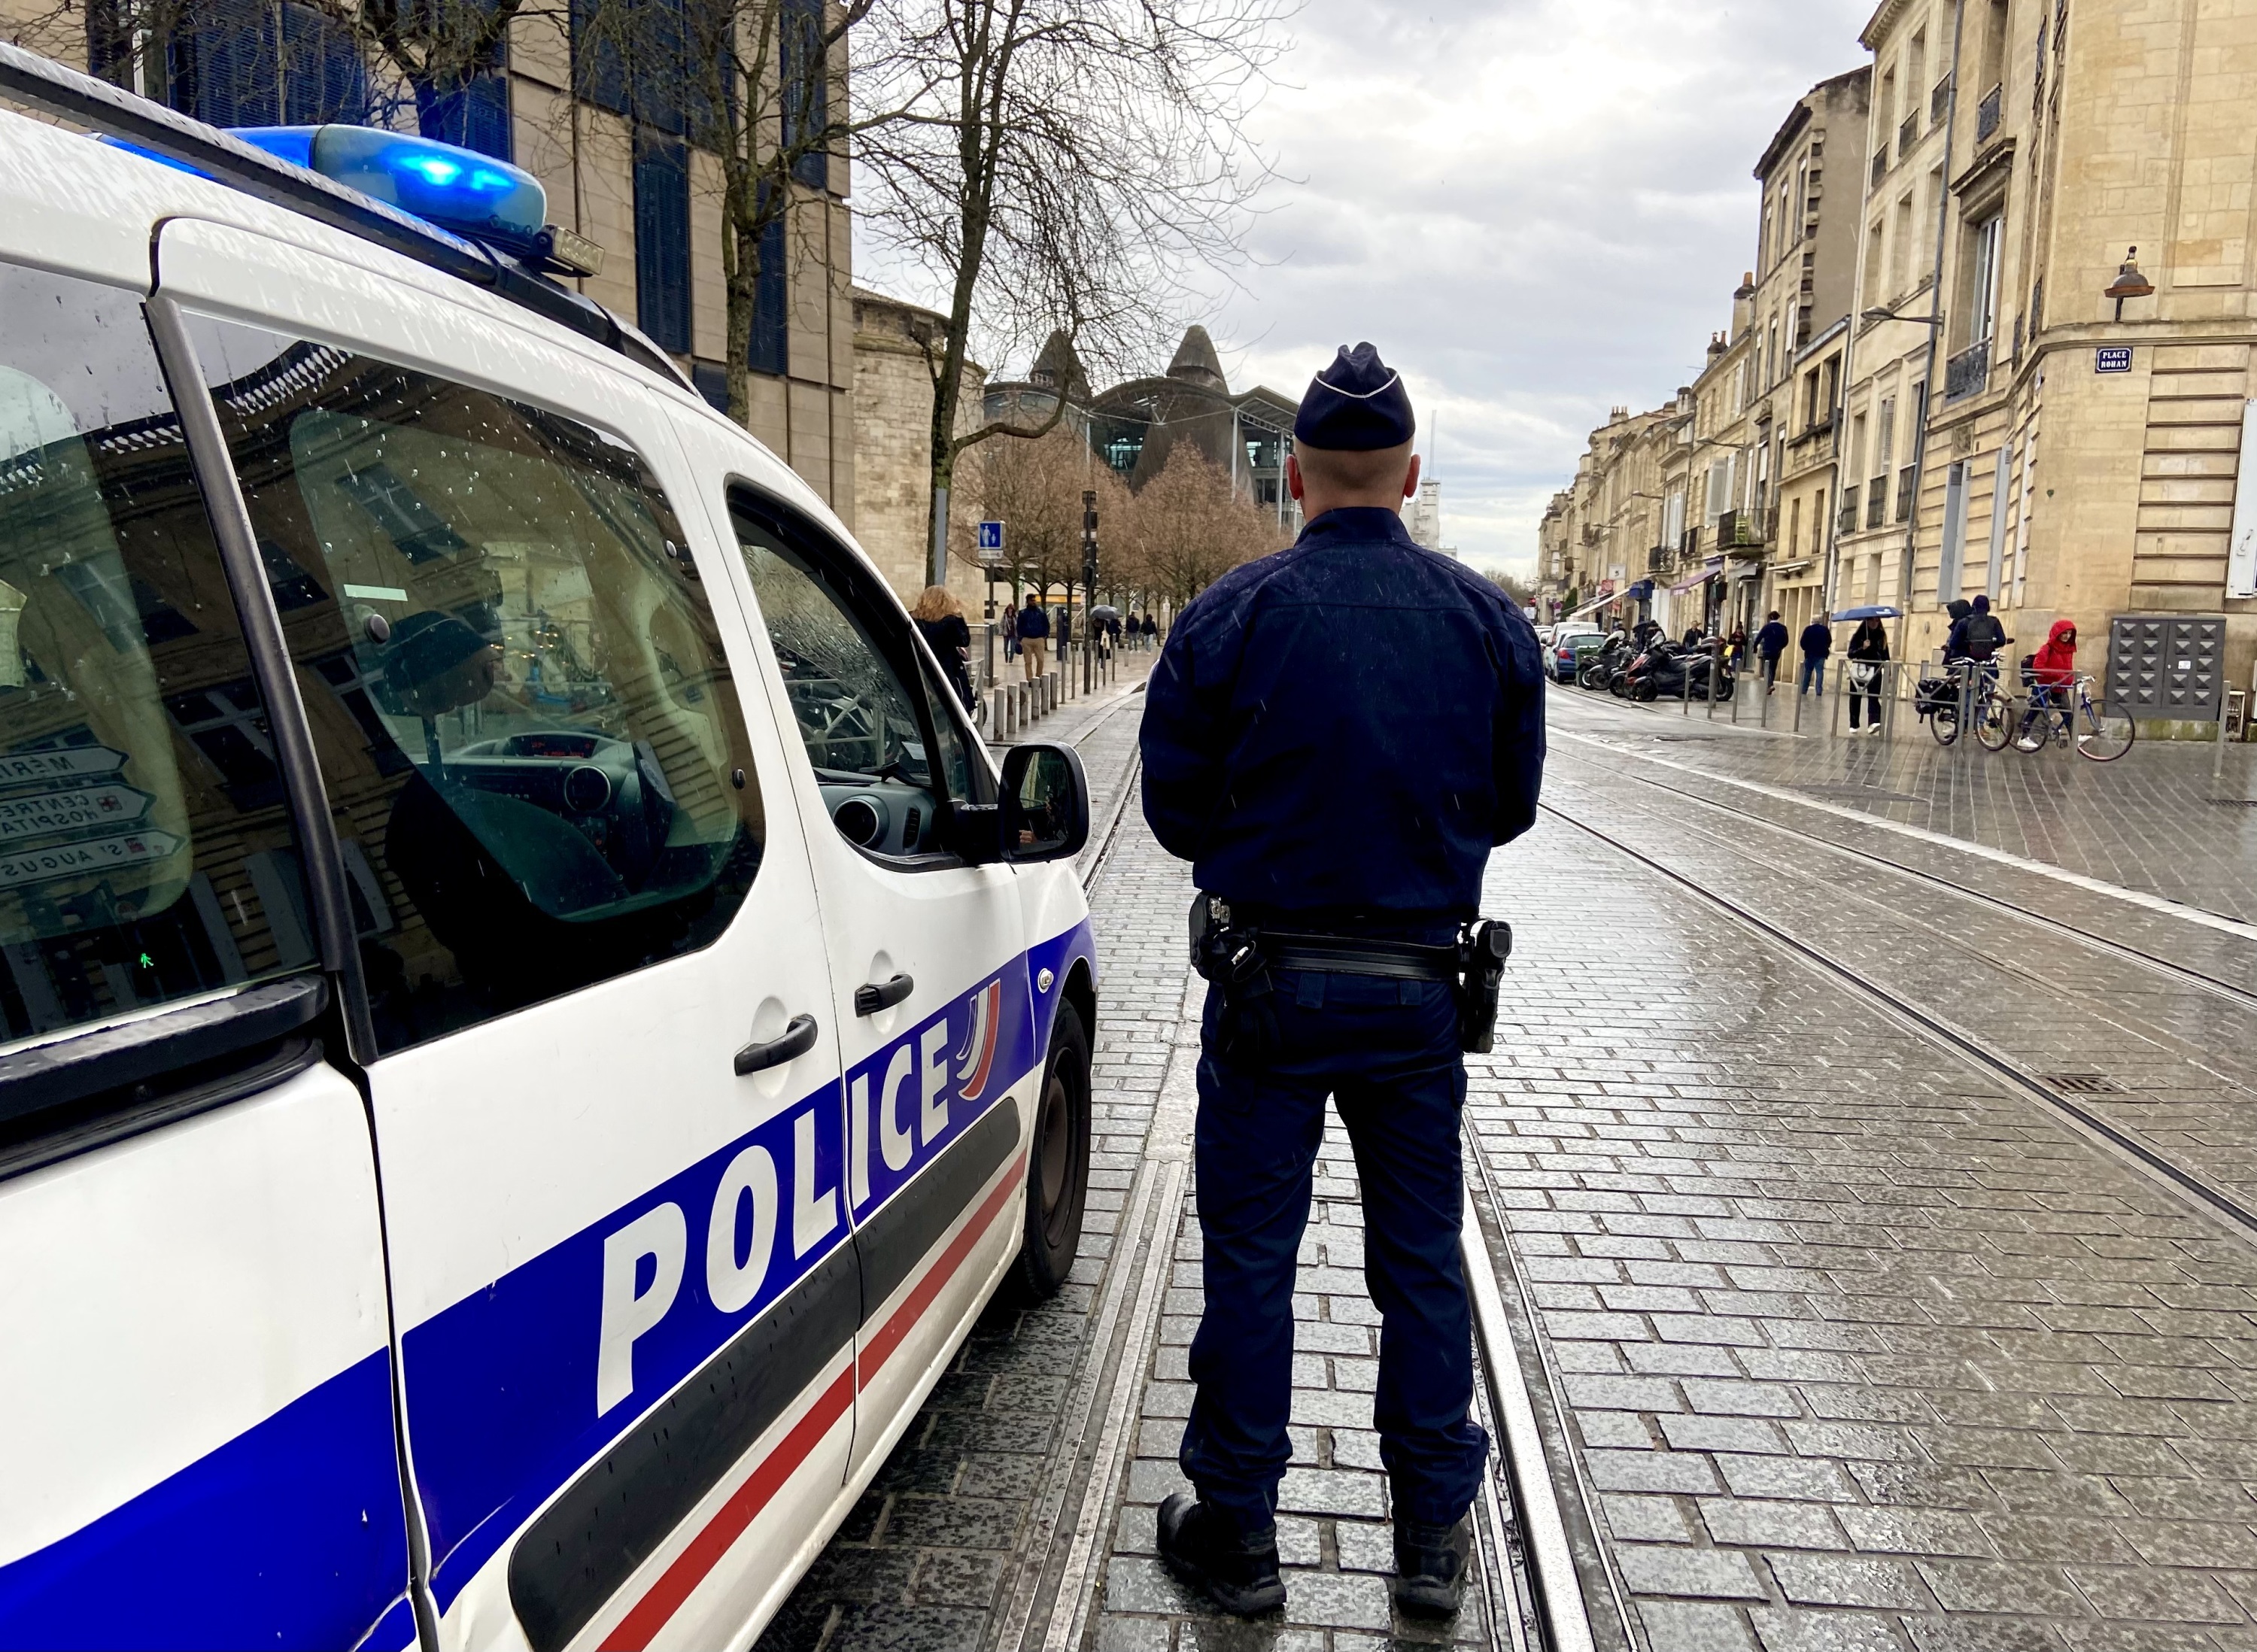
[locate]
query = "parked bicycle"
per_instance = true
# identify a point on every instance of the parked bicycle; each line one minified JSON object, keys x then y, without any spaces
{"x":2070,"y":716}
{"x":1974,"y":684}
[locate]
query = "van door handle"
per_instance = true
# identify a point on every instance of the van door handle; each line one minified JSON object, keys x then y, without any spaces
{"x":871,"y":997}
{"x":798,"y":1038}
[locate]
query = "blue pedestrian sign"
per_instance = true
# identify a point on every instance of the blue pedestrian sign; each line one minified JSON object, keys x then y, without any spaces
{"x":2112,"y":358}
{"x":991,"y":541}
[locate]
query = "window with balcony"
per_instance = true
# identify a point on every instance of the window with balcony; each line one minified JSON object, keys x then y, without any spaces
{"x":1849,"y":522}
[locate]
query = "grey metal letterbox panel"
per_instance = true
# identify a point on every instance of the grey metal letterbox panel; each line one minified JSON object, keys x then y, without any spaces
{"x":2167,"y":665}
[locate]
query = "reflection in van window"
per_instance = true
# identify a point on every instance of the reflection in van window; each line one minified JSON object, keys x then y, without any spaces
{"x":144,"y":854}
{"x":525,"y":718}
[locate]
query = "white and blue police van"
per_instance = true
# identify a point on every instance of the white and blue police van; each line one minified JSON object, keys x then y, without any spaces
{"x":532,"y":1025}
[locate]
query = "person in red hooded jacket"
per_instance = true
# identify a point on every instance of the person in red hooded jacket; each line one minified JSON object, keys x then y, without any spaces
{"x":2053,"y":673}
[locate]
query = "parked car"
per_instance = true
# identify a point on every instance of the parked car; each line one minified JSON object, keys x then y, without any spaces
{"x":533,"y":1026}
{"x":1566,"y":648}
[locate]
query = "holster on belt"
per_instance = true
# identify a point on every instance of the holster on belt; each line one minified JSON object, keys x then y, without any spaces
{"x":1239,"y":957}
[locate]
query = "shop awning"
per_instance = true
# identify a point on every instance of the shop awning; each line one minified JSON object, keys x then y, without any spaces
{"x":1701,"y":578}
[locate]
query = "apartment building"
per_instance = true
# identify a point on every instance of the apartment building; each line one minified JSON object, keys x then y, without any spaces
{"x":2067,"y":414}
{"x":1806,"y":240}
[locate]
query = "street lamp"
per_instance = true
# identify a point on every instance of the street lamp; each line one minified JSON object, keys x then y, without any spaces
{"x":1088,"y":588}
{"x":1882,"y":313}
{"x":2129,"y":283}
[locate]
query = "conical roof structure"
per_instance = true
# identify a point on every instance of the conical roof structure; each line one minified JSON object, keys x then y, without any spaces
{"x":1196,"y":361}
{"x":1058,"y":367}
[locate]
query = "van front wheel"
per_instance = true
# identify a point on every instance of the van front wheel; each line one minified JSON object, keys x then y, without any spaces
{"x":1057,"y":1165}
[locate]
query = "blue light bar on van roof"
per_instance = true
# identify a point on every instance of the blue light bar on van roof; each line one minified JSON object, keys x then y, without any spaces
{"x":456,"y":189}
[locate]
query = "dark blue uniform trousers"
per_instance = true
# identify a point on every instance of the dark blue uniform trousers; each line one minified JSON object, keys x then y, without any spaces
{"x":1387,"y":1052}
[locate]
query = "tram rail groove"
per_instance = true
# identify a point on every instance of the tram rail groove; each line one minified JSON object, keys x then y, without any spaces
{"x":2221,"y":1208}
{"x":2180,"y":973}
{"x":2240,"y":929}
{"x":1528,"y":1567}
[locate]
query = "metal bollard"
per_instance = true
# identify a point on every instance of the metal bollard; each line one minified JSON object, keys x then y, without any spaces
{"x":1685,"y":690}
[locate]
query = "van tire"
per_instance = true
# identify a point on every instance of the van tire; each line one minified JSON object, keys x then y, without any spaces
{"x":1057,"y":1167}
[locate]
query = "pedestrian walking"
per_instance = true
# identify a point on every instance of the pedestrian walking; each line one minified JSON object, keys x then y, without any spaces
{"x":1816,"y":642}
{"x":939,"y":618}
{"x":1868,"y":652}
{"x":1692,"y":635}
{"x":1151,"y":630}
{"x":1034,"y":628}
{"x":1770,"y":643}
{"x":1739,"y":644}
{"x":1340,"y":845}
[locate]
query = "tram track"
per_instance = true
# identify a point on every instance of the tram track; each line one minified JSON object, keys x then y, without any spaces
{"x":2171,"y":969}
{"x":2226,"y":1210}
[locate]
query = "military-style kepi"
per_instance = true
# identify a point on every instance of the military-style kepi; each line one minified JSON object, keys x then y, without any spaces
{"x":1357,"y":404}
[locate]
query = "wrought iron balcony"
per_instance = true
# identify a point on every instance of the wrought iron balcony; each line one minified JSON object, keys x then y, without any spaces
{"x":1660,"y":560}
{"x":1880,"y":163}
{"x":1987,"y":113}
{"x":1907,"y":481}
{"x":1969,"y":372}
{"x":1939,"y":103}
{"x":1877,"y":501}
{"x":1849,"y":522}
{"x":1739,"y":530}
{"x":1908,"y":134}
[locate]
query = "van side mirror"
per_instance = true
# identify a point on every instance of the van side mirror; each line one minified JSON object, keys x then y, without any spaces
{"x":1045,"y":803}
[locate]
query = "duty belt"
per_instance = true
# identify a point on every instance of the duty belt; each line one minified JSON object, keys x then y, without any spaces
{"x":1358,"y":955}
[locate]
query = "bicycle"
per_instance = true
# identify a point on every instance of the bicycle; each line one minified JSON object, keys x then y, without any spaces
{"x":1988,"y":706}
{"x":2098,"y":735}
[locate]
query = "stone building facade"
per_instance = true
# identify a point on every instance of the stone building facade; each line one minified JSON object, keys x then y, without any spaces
{"x":2077,"y":457}
{"x":893,"y":445}
{"x":1806,"y":280}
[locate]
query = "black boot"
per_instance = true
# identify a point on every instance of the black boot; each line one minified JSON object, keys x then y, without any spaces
{"x":1430,"y":1566}
{"x":1204,"y":1548}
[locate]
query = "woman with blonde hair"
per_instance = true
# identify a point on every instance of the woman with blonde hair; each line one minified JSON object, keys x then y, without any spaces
{"x":939,"y":615}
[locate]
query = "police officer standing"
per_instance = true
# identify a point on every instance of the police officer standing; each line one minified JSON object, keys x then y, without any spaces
{"x":1337,"y":735}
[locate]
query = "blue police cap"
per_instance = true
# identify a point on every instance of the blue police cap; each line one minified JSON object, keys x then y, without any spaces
{"x":1357,"y":404}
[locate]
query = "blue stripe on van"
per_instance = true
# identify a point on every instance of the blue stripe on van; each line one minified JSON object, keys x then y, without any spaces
{"x":290,"y":1535}
{"x":502,"y":1385}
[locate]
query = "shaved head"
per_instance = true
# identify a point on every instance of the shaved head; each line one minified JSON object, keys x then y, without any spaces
{"x":1341,"y":471}
{"x":1333,"y":478}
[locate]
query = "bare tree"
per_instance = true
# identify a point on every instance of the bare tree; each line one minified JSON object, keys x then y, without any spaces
{"x":1034,"y":488}
{"x":1058,"y":165}
{"x":1188,"y":527}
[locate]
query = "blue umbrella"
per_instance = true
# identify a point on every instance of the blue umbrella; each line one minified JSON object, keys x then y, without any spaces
{"x":1873,"y":611}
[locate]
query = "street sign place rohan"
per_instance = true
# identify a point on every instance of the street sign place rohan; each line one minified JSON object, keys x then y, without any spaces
{"x":2112,"y":358}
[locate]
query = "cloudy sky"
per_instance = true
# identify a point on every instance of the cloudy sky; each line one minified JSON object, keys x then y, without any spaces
{"x":1537,"y":208}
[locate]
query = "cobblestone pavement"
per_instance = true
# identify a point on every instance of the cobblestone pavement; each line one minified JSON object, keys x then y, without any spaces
{"x":1858,"y":1349}
{"x":2152,"y":820}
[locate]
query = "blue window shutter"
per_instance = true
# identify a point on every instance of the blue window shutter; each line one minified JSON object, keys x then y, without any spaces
{"x":661,"y":199}
{"x":807,"y":88}
{"x":770,"y":351}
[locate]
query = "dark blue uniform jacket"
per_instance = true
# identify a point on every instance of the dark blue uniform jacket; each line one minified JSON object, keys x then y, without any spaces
{"x":1346,"y":729}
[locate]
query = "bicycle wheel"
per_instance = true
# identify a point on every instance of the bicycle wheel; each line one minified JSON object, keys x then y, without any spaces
{"x":1943,"y":724}
{"x":2102,"y":736}
{"x":1994,"y":721}
{"x":2035,"y":737}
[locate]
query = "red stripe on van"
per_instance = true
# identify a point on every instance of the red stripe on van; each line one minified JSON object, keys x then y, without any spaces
{"x":639,"y":1626}
{"x":649,"y":1615}
{"x":873,"y":1354}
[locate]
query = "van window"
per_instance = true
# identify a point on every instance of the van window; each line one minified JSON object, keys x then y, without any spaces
{"x":886,"y":753}
{"x":144,"y":852}
{"x":525,"y":717}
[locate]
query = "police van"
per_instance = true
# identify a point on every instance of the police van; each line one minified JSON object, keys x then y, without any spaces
{"x":532,"y":1025}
